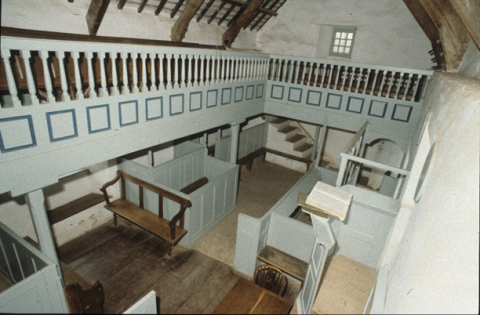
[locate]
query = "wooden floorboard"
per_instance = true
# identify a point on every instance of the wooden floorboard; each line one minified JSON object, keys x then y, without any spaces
{"x":80,"y":245}
{"x":131,"y":262}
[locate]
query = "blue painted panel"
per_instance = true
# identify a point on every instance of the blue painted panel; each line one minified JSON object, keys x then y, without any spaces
{"x":314,"y":98}
{"x":260,"y":88}
{"x":176,"y":104}
{"x":62,"y":125}
{"x":128,"y":113}
{"x":98,"y":118}
{"x":239,"y":94}
{"x":402,"y":112}
{"x":17,"y":133}
{"x":154,"y":108}
{"x":195,"y":101}
{"x":377,"y":109}
{"x":226,"y":96}
{"x":334,"y":101}
{"x":277,"y":92}
{"x":212,"y":98}
{"x":355,"y":104}
{"x":295,"y":94}
{"x":250,"y":92}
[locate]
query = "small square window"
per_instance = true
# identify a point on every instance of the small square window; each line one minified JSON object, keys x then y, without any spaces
{"x":342,"y":41}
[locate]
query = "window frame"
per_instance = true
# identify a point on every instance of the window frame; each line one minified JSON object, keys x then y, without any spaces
{"x":340,"y":29}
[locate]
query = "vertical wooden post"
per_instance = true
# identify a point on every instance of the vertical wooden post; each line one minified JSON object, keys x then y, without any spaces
{"x":38,"y":212}
{"x":63,"y":78}
{"x":12,"y":88}
{"x":235,"y":128}
{"x":323,"y":137}
{"x":28,"y":71}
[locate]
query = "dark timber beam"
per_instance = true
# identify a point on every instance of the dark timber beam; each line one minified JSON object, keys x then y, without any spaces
{"x":160,"y":7}
{"x":95,"y":14}
{"x":181,"y":25}
{"x":469,"y":13}
{"x":141,"y":6}
{"x":261,"y":10}
{"x":452,"y":31}
{"x":205,"y":10}
{"x":232,"y":32}
{"x":429,"y":28}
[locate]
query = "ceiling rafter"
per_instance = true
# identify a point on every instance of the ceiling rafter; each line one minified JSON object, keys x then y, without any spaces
{"x":96,"y":12}
{"x":181,"y":25}
{"x":142,"y":6}
{"x":160,"y":7}
{"x":469,"y":13}
{"x":232,"y":32}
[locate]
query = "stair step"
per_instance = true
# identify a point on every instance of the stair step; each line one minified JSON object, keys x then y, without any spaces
{"x":278,"y":121}
{"x":296,"y":138}
{"x":287,"y":129}
{"x":304,"y":147}
{"x":287,"y":263}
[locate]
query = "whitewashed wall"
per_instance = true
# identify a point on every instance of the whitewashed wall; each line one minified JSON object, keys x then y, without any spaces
{"x":433,"y":250}
{"x":387,"y":33}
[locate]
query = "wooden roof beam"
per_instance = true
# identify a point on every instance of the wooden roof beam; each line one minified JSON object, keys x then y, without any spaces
{"x":469,"y":13}
{"x":181,"y":25}
{"x":232,"y":32}
{"x":452,"y":31}
{"x":429,"y":28}
{"x":141,"y":6}
{"x":205,"y":10}
{"x":96,"y":12}
{"x":160,"y":7}
{"x":176,"y":8}
{"x":261,"y":10}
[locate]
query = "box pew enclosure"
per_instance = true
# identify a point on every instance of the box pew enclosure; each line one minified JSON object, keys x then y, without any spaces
{"x":62,"y":98}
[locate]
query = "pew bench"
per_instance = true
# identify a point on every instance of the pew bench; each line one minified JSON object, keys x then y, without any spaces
{"x":167,"y":230}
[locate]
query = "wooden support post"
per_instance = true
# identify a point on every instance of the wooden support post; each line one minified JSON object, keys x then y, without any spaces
{"x":181,"y":25}
{"x":235,"y":128}
{"x":321,"y":145}
{"x":38,"y":212}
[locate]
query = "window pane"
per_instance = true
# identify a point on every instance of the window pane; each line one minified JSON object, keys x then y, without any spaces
{"x":349,"y":43}
{"x":338,"y":34}
{"x":340,"y":49}
{"x":337,"y":42}
{"x":347,"y":50}
{"x":350,"y":35}
{"x":335,"y":49}
{"x":342,"y":42}
{"x":344,"y":35}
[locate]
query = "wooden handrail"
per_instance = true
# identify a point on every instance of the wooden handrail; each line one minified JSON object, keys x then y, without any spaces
{"x":103,"y":189}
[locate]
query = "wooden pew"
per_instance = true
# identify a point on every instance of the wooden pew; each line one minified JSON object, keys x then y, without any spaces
{"x":169,"y":231}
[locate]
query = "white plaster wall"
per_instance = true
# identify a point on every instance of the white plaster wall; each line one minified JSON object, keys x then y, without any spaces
{"x":436,"y":266}
{"x":387,"y":34}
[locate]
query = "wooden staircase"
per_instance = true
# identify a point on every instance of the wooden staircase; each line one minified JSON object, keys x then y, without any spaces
{"x":301,"y":146}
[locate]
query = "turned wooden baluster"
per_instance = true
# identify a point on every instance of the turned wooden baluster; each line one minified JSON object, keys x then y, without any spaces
{"x":153,"y":73}
{"x":12,"y":88}
{"x":125,"y":88}
{"x":91,"y":82}
{"x":103,"y":90}
{"x":46,"y":76}
{"x":143,"y":85}
{"x":161,"y":69}
{"x":135,"y":88}
{"x":114,"y":90}
{"x":78,"y":80}
{"x":28,"y":72}
{"x":63,"y":78}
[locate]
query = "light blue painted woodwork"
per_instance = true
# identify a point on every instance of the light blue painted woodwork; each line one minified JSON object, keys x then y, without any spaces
{"x":210,"y":203}
{"x":38,"y":288}
{"x":128,"y":113}
{"x":363,"y":234}
{"x":16,"y":133}
{"x":250,"y":140}
{"x":62,"y":125}
{"x":154,"y":108}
